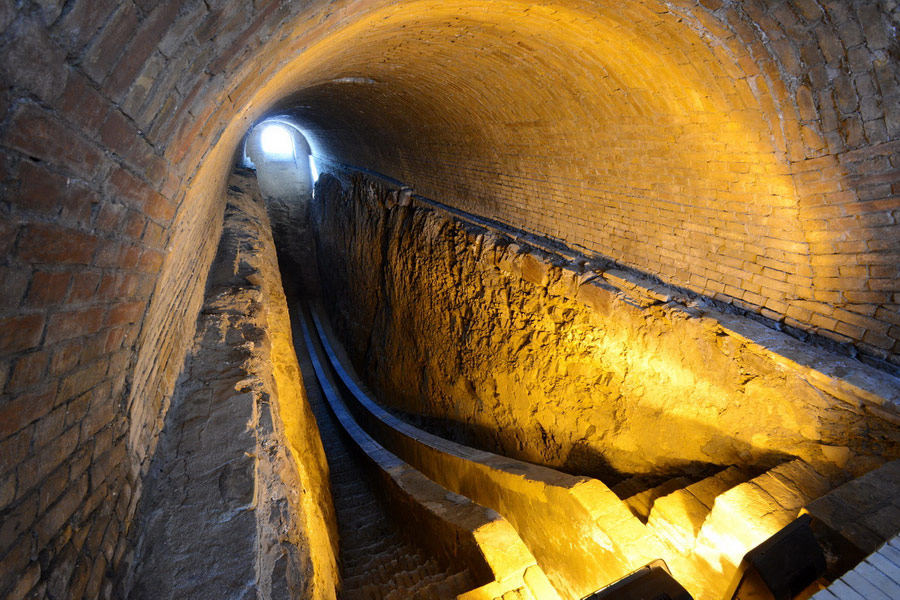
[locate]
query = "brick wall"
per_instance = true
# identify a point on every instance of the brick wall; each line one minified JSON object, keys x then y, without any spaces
{"x":746,"y":151}
{"x":107,"y":229}
{"x":743,"y":150}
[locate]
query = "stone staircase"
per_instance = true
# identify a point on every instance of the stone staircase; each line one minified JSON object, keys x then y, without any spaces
{"x":702,"y":527}
{"x":707,"y":526}
{"x":676,"y":518}
{"x":377,"y":561}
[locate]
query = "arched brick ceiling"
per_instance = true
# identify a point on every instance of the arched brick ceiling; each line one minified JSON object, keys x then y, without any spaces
{"x":746,"y":149}
{"x":686,"y":141}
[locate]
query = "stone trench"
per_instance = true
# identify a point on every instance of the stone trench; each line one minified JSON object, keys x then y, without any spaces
{"x":496,"y":340}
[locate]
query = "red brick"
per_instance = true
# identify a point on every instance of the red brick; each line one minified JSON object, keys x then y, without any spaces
{"x":118,"y":134}
{"x":157,"y":170}
{"x":40,"y":190}
{"x":131,"y":257}
{"x":111,"y":216}
{"x":159,"y":209}
{"x":20,"y":333}
{"x":53,"y":521}
{"x":103,"y":410}
{"x":52,"y":487}
{"x":154,"y":236}
{"x":50,"y":426}
{"x":82,"y":380}
{"x":82,"y":104}
{"x":13,"y":283}
{"x":65,"y":358}
{"x":48,"y":289}
{"x":148,"y":37}
{"x":151,"y":262}
{"x":27,"y":371}
{"x":25,"y":409}
{"x":15,"y":562}
{"x":38,"y":133}
{"x":8,"y":233}
{"x":142,"y":155}
{"x":75,"y":323}
{"x":79,"y":25}
{"x":14,"y":449}
{"x":114,"y":338}
{"x":84,"y":287}
{"x":110,"y":286}
{"x":134,"y":225}
{"x":106,"y":464}
{"x":92,"y":347}
{"x":15,"y":522}
{"x":77,"y":206}
{"x":108,"y":45}
{"x":129,"y":189}
{"x":81,"y":460}
{"x":122,"y":314}
{"x":77,"y":409}
{"x":54,"y":244}
{"x":111,"y":254}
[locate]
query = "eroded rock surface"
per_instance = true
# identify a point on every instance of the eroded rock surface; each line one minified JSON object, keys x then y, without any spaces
{"x":539,"y":357}
{"x":237,"y":502}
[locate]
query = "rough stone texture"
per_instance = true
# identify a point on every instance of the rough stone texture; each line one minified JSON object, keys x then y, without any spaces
{"x":746,"y":149}
{"x":583,"y":535}
{"x":531,"y":356}
{"x":864,"y":512}
{"x":421,"y":541}
{"x":236,"y":501}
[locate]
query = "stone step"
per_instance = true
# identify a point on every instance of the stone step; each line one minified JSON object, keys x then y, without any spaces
{"x":864,"y":512}
{"x":642,"y":503}
{"x":377,"y":561}
{"x":747,"y":515}
{"x":676,"y":518}
{"x":635,"y":485}
{"x":446,"y":587}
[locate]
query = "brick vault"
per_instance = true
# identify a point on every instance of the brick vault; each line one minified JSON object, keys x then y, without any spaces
{"x":745,"y":154}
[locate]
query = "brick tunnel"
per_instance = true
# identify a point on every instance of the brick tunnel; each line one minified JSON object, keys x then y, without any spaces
{"x":627,"y":252}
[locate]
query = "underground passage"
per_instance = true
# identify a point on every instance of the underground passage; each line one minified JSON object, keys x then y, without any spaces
{"x":450,"y":299}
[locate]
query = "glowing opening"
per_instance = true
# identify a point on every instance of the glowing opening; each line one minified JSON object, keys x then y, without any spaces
{"x":313,"y":170}
{"x":276,"y":142}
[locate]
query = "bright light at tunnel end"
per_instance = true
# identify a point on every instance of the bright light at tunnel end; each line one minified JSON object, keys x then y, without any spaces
{"x":276,"y":142}
{"x":313,"y":170}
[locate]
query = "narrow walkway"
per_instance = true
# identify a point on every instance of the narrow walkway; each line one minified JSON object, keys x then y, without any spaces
{"x":377,"y":560}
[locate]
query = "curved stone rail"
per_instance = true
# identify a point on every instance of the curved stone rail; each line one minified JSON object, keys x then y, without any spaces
{"x":445,"y":522}
{"x":563,"y":519}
